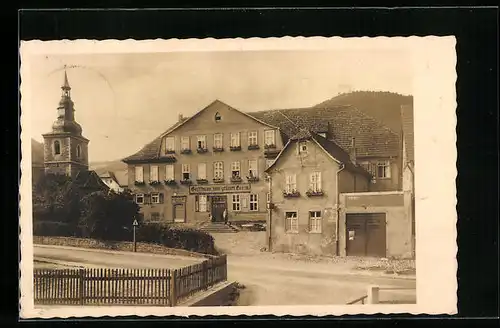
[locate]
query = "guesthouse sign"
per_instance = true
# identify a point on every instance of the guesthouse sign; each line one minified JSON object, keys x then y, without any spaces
{"x":220,"y":189}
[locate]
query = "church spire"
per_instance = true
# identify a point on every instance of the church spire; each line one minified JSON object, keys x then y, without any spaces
{"x":66,"y":87}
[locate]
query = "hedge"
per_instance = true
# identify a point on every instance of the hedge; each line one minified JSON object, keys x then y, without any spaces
{"x":173,"y":237}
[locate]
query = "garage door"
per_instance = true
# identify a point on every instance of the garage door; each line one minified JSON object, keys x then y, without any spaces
{"x":366,"y":234}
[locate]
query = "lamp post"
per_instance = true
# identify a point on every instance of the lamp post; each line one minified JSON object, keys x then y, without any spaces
{"x":269,"y":206}
{"x":135,"y":224}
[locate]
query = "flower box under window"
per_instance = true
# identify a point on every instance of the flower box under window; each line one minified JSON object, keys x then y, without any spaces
{"x":202,"y":150}
{"x":291,"y":194}
{"x":252,"y":178}
{"x":202,"y":181}
{"x":154,"y":183}
{"x":139,"y":183}
{"x":313,"y":193}
{"x":235,"y":148}
{"x":218,"y":149}
{"x":271,"y":152}
{"x":170,"y":182}
{"x":236,"y":178}
{"x":186,"y":151}
{"x":186,"y":181}
{"x":253,"y":147}
{"x":218,"y":180}
{"x":271,"y":146}
{"x":171,"y":151}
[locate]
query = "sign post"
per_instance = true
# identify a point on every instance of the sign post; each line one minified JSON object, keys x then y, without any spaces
{"x":135,"y":224}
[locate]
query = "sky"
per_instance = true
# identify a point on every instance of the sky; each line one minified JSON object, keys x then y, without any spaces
{"x":124,"y":101}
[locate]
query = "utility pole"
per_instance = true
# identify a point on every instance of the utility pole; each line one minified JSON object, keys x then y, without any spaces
{"x":270,"y":210}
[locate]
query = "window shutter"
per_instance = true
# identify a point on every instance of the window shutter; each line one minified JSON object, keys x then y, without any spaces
{"x":162,"y":198}
{"x":388,"y":169}
{"x":147,"y":198}
{"x":196,"y":203}
{"x":319,"y":181}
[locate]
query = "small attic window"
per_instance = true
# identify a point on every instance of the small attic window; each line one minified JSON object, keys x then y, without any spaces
{"x":303,"y":147}
{"x":217,"y":117}
{"x":323,"y":134}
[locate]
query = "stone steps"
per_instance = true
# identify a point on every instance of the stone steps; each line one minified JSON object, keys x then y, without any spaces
{"x":218,"y":228}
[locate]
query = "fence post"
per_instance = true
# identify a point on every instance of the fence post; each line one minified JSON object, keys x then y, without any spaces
{"x":173,"y":292}
{"x":373,"y":294}
{"x":205,"y":274}
{"x":81,"y":290}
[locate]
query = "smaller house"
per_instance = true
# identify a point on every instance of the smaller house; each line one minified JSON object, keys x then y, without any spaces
{"x":116,"y":181}
{"x":89,"y":180}
{"x":306,"y":180}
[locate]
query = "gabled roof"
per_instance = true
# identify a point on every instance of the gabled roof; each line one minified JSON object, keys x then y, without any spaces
{"x":407,"y":127}
{"x":90,"y":179}
{"x":328,"y":146}
{"x":121,"y":177}
{"x":344,"y":122}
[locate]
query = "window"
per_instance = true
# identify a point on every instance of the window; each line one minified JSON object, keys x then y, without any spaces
{"x":169,"y":172}
{"x":155,"y":198}
{"x":302,"y":147}
{"x":254,"y":202}
{"x":291,"y":222}
{"x":315,"y":221}
{"x":269,"y":137}
{"x":186,"y":172}
{"x":139,"y":198}
{"x":185,"y":143}
{"x":235,"y":139}
{"x":369,"y":167}
{"x":169,"y":144}
{"x":268,"y":197}
{"x":218,"y":170}
{"x":202,"y":203}
{"x":155,"y":216}
{"x":217,"y":117}
{"x":202,"y":142}
{"x":202,"y":171}
{"x":323,"y":134}
{"x":291,"y":183}
{"x":218,"y":140}
{"x":57,"y":147}
{"x":252,"y":138}
{"x":252,"y":168}
{"x":153,"y":173}
{"x":384,"y":169}
{"x":315,"y":182}
{"x":235,"y":169}
{"x":78,"y":151}
{"x":139,"y":174}
{"x":269,"y":162}
{"x":236,"y":202}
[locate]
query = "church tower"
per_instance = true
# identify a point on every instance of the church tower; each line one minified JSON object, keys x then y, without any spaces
{"x":65,"y":149}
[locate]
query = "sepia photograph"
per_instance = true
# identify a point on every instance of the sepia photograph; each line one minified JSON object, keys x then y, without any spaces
{"x":238,"y":178}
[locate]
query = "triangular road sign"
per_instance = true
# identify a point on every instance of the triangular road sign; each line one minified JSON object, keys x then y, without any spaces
{"x":135,"y":224}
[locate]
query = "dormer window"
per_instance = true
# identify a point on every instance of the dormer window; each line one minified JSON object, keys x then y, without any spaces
{"x":269,"y":138}
{"x":217,"y":117}
{"x":57,"y":147}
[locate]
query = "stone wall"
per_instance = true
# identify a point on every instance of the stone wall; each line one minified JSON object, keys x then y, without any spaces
{"x":117,"y":246}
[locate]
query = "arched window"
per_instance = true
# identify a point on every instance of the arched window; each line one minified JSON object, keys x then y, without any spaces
{"x":57,"y":147}
{"x":217,"y":117}
{"x":78,"y":151}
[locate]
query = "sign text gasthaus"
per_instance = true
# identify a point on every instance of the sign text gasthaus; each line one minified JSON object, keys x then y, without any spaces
{"x":214,"y":189}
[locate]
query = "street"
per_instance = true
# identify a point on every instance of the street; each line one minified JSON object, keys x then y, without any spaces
{"x":267,"y":281}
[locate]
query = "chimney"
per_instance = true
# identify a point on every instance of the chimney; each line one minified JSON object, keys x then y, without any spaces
{"x":181,"y":117}
{"x":352,"y":153}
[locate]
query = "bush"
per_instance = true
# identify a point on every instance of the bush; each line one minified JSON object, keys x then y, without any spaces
{"x":182,"y":238}
{"x":60,"y":229}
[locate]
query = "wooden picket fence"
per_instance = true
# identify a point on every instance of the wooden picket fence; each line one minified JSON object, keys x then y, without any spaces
{"x":152,"y":287}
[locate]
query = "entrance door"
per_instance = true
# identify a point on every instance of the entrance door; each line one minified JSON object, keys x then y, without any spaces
{"x":219,"y":204}
{"x":366,"y":234}
{"x":179,"y":213}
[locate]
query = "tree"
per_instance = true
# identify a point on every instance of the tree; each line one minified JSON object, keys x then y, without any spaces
{"x":108,"y":215}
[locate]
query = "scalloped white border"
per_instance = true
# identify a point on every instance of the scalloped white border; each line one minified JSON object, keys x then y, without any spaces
{"x":433,"y":60}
